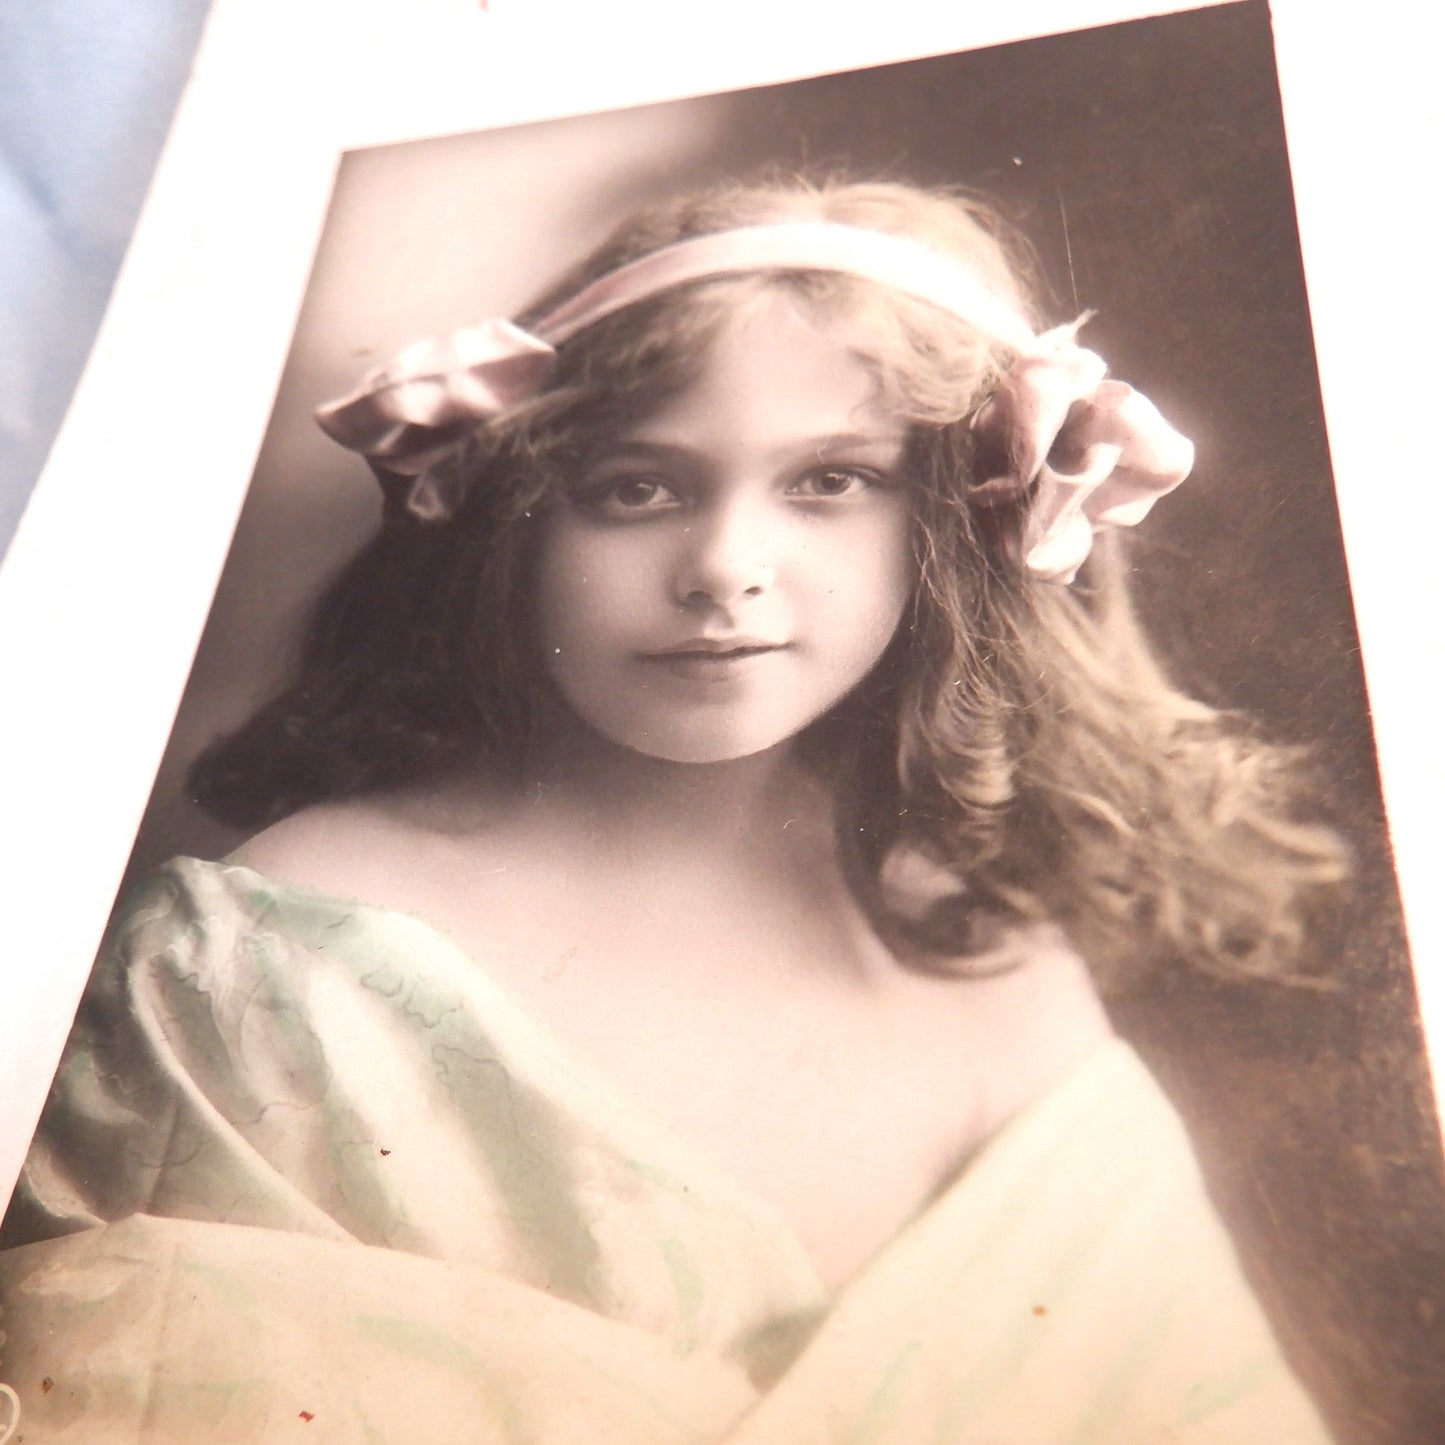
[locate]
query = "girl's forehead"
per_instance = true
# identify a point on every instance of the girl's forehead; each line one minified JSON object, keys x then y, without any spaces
{"x":775,"y":370}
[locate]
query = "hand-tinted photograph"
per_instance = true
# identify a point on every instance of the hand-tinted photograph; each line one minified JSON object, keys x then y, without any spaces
{"x":774,"y":835}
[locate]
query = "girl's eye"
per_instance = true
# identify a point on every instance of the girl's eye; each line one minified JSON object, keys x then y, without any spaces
{"x":829,"y":482}
{"x":622,"y":498}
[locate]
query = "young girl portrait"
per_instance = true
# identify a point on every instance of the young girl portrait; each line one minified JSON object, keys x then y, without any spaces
{"x":692,"y":936}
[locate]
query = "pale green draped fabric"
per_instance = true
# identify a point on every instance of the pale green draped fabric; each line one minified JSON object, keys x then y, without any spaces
{"x":310,"y":1173}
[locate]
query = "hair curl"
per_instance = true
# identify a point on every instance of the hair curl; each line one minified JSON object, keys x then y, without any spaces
{"x":1022,"y":754}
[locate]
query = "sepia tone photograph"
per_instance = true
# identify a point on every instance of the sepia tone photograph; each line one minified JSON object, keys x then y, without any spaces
{"x":774,"y":834}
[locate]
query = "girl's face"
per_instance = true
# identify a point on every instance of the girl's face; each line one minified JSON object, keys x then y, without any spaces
{"x":738,"y":562}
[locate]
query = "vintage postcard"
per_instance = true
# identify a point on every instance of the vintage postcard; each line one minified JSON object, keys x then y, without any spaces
{"x":500,"y":1032}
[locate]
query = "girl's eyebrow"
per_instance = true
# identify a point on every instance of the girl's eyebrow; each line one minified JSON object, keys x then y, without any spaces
{"x":891,"y":440}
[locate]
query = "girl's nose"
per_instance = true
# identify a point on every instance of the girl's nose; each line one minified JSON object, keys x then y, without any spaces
{"x":726,"y":556}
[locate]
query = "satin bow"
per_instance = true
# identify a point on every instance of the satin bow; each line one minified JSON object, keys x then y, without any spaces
{"x":404,"y":417}
{"x":1088,"y":451}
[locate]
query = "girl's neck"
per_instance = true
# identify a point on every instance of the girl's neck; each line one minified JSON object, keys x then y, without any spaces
{"x":642,"y":805}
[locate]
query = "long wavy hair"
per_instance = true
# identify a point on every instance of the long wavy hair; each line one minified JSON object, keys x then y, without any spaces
{"x":1018,"y":754}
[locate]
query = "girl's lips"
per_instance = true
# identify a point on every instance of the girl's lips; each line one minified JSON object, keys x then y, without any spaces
{"x":711,"y":661}
{"x":716,"y":647}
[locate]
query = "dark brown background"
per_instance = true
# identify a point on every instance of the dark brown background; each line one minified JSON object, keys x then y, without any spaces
{"x":1146,"y":162}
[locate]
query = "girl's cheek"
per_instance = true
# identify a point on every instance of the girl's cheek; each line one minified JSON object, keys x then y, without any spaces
{"x":891,"y":555}
{"x":594,"y":581}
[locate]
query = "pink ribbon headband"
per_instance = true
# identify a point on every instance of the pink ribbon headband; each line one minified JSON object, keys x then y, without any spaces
{"x":1088,"y":452}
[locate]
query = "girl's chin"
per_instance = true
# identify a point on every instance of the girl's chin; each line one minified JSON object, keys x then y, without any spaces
{"x":682,"y":747}
{"x":702,"y":752}
{"x":684,"y":742}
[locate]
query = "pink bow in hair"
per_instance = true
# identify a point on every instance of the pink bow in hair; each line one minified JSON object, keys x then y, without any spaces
{"x":405,"y":416}
{"x":1089,"y":452}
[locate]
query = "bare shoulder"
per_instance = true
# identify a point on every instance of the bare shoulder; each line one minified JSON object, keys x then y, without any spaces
{"x":1039,"y":1018}
{"x":386,"y":849}
{"x":326,"y":848}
